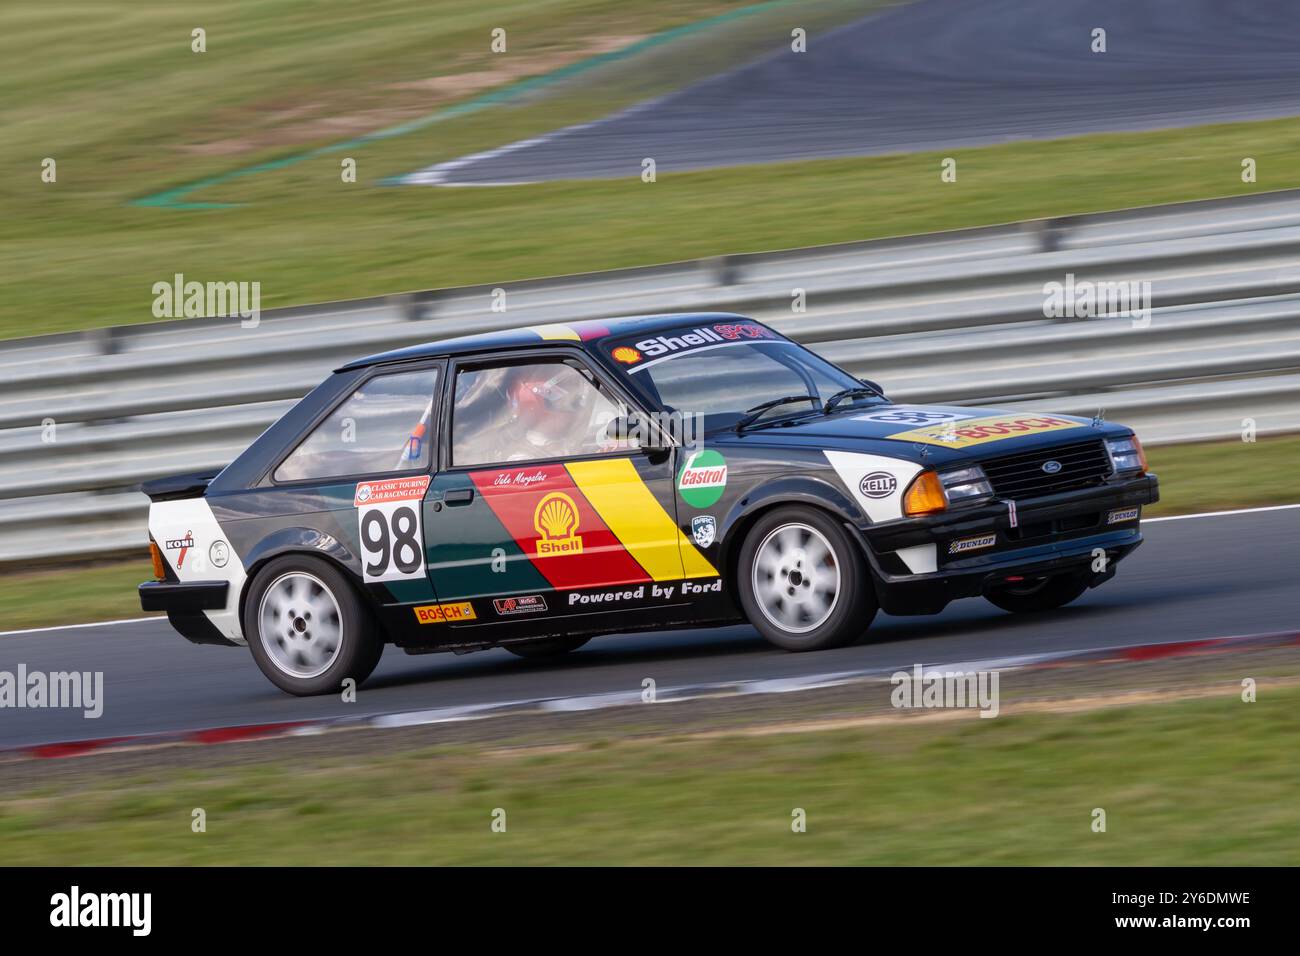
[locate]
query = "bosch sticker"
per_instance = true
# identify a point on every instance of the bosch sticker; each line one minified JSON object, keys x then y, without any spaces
{"x":978,"y":431}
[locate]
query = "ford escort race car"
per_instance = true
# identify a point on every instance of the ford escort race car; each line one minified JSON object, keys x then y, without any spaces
{"x":529,"y":489}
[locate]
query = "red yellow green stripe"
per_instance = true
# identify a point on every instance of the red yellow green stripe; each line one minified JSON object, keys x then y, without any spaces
{"x":632,"y":512}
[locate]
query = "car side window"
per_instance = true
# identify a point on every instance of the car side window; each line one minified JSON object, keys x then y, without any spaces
{"x":531,"y":411}
{"x":384,"y":426}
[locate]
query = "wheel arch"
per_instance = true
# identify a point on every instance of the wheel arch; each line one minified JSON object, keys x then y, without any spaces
{"x":308,"y":543}
{"x":794,"y":490}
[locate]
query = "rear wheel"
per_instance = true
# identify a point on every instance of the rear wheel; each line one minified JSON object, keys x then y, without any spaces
{"x":307,"y":628}
{"x":802,"y":581}
{"x":546,"y":647}
{"x":1043,"y":594}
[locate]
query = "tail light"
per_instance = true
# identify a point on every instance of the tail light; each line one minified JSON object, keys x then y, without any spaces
{"x":159,"y":566}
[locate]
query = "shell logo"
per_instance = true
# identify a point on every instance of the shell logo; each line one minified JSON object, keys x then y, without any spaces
{"x":556,"y":520}
{"x":626,"y":354}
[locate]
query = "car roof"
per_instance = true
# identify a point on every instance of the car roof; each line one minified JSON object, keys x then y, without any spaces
{"x":582,"y":333}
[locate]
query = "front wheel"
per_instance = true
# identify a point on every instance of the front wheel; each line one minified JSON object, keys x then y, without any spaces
{"x":1043,"y":594}
{"x":307,"y":628}
{"x":802,"y":581}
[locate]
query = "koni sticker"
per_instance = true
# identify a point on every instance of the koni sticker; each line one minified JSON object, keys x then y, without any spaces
{"x":978,"y":431}
{"x":703,"y":478}
{"x":183,"y":545}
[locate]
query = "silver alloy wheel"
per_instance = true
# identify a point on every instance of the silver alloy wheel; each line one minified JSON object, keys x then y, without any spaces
{"x":299,"y":625}
{"x":796,"y":578}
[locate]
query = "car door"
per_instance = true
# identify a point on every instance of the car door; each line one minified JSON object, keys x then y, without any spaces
{"x":537,"y":512}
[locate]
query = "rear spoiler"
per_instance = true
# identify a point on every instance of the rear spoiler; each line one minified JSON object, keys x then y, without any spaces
{"x":175,"y":487}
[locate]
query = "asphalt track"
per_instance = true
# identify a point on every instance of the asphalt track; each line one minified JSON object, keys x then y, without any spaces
{"x":1194,"y":578}
{"x":936,"y":74}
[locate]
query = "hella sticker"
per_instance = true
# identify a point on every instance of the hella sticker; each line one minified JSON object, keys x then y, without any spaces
{"x":878,"y":484}
{"x":963,"y":545}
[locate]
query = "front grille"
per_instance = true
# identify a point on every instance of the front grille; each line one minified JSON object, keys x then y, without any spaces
{"x":1084,"y":464}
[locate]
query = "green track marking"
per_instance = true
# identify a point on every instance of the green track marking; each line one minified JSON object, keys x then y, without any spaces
{"x":175,"y":198}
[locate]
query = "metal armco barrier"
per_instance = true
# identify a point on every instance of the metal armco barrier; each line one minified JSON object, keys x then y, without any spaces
{"x":952,"y":317}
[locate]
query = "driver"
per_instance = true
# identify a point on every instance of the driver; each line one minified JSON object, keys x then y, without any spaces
{"x":549,"y":412}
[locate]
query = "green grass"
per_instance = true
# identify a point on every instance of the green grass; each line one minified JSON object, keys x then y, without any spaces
{"x":1172,"y":778}
{"x":102,"y":591}
{"x":1218,"y":476}
{"x":1201,"y":477}
{"x":127,"y":110}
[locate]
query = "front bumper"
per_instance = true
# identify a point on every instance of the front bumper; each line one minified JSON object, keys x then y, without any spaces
{"x":1055,"y":534}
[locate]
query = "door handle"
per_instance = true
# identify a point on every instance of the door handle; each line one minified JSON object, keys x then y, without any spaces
{"x":459,"y":496}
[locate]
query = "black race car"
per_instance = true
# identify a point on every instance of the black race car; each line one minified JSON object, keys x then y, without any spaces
{"x":532,"y":488}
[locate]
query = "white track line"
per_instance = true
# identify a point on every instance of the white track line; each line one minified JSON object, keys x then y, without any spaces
{"x":1216,"y":514}
{"x":69,"y":627}
{"x":141,"y":620}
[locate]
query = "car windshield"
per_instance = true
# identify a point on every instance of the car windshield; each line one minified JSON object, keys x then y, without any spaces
{"x":721,"y":370}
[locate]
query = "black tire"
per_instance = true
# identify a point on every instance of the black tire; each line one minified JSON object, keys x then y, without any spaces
{"x":1046,"y":594}
{"x":359,"y":643}
{"x":810,"y":624}
{"x":546,"y":647}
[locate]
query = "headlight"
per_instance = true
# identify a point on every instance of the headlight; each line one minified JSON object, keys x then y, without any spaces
{"x":1126,"y":455}
{"x":966,"y":485}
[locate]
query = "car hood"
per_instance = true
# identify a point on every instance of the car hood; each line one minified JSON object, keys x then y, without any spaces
{"x":935,"y":432}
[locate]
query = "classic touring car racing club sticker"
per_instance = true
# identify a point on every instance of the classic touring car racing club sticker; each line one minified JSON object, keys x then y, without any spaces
{"x":977,"y":431}
{"x":388,"y":522}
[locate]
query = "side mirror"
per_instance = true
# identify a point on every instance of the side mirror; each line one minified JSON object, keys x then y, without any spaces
{"x":870,"y":384}
{"x":632,"y":431}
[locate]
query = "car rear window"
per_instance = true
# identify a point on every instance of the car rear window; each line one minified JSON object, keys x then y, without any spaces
{"x":384,"y":426}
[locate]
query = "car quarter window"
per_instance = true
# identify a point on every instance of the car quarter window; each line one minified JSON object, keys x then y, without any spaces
{"x":530,"y":411}
{"x":383,"y":426}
